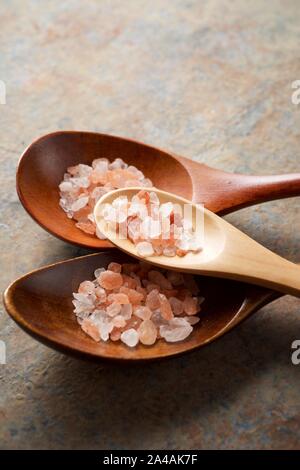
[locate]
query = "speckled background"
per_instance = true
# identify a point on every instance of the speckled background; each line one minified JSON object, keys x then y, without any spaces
{"x":210,"y":80}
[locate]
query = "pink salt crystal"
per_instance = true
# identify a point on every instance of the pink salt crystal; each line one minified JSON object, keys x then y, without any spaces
{"x":87,"y":227}
{"x":129,"y":282}
{"x":86,"y":287}
{"x":98,"y":176}
{"x":130,"y":267}
{"x":133,"y":322}
{"x":142,"y":312}
{"x":82,"y":214}
{"x":176,"y":330}
{"x":142,"y":290}
{"x":136,"y":278}
{"x":119,"y":321}
{"x":147,"y":332}
{"x":158,"y":319}
{"x":166,"y":209}
{"x":90,"y":329}
{"x":169,"y":251}
{"x":152,"y":300}
{"x":191,"y":284}
{"x":177,"y":306}
{"x":126,"y":311}
{"x":101,"y":294}
{"x":180,"y":252}
{"x":192,"y":320}
{"x":175,"y":278}
{"x":118,"y":297}
{"x":115,"y":267}
{"x":98,"y":271}
{"x":65,"y":186}
{"x":165,"y":307}
{"x":130,"y":337}
{"x":169,"y":292}
{"x":113,"y":309}
{"x":110,"y":280}
{"x":150,"y":286}
{"x":134,"y":296}
{"x":144,"y":249}
{"x":101,"y":163}
{"x":190,"y":305}
{"x":72,"y":170}
{"x":115,"y":335}
{"x":130,"y":183}
{"x":158,"y":278}
{"x":80,"y":203}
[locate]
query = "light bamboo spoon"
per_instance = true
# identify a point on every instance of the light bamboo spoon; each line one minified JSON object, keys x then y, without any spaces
{"x":227,"y":252}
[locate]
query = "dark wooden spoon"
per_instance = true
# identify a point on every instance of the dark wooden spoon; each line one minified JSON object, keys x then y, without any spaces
{"x":40,"y":302}
{"x":43,"y":164}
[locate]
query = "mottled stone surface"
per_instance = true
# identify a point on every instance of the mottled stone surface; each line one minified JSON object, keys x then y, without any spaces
{"x":210,"y":80}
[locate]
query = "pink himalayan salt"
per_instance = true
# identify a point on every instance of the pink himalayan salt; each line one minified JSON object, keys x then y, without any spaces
{"x":170,"y":292}
{"x":130,"y":337}
{"x":129,"y":268}
{"x":113,"y":309}
{"x":129,"y":281}
{"x":150,"y":286}
{"x":119,"y":298}
{"x":86,"y":287}
{"x":165,"y":307}
{"x":147,"y":332}
{"x":192,"y":320}
{"x":119,"y":321}
{"x":158,"y":278}
{"x":83,"y":185}
{"x":126,"y":311}
{"x":190,"y":305}
{"x":133,"y":322}
{"x":115,"y":335}
{"x":177,"y":330}
{"x":90,"y":329}
{"x":152,"y":300}
{"x":142,"y":290}
{"x":101,"y":294}
{"x":110,"y":280}
{"x":175,"y":278}
{"x":109,"y":313}
{"x":115,"y":267}
{"x":144,"y":249}
{"x":176,"y":305}
{"x":155,"y":229}
{"x":142,"y":312}
{"x":134,"y":296}
{"x":87,"y":227}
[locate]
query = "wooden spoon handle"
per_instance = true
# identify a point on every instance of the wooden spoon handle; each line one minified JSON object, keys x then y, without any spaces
{"x":223,"y":192}
{"x":247,"y":190}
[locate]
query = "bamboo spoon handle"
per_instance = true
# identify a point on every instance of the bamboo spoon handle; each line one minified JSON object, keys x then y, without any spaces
{"x":223,"y":192}
{"x":248,"y":261}
{"x":285,"y":279}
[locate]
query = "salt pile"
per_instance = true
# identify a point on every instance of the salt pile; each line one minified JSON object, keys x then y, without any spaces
{"x":154,"y":228}
{"x":135,"y":304}
{"x":83,"y":185}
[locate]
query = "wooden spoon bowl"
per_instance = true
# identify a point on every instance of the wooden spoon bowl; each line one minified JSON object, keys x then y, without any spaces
{"x":43,"y":164}
{"x":41,"y":303}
